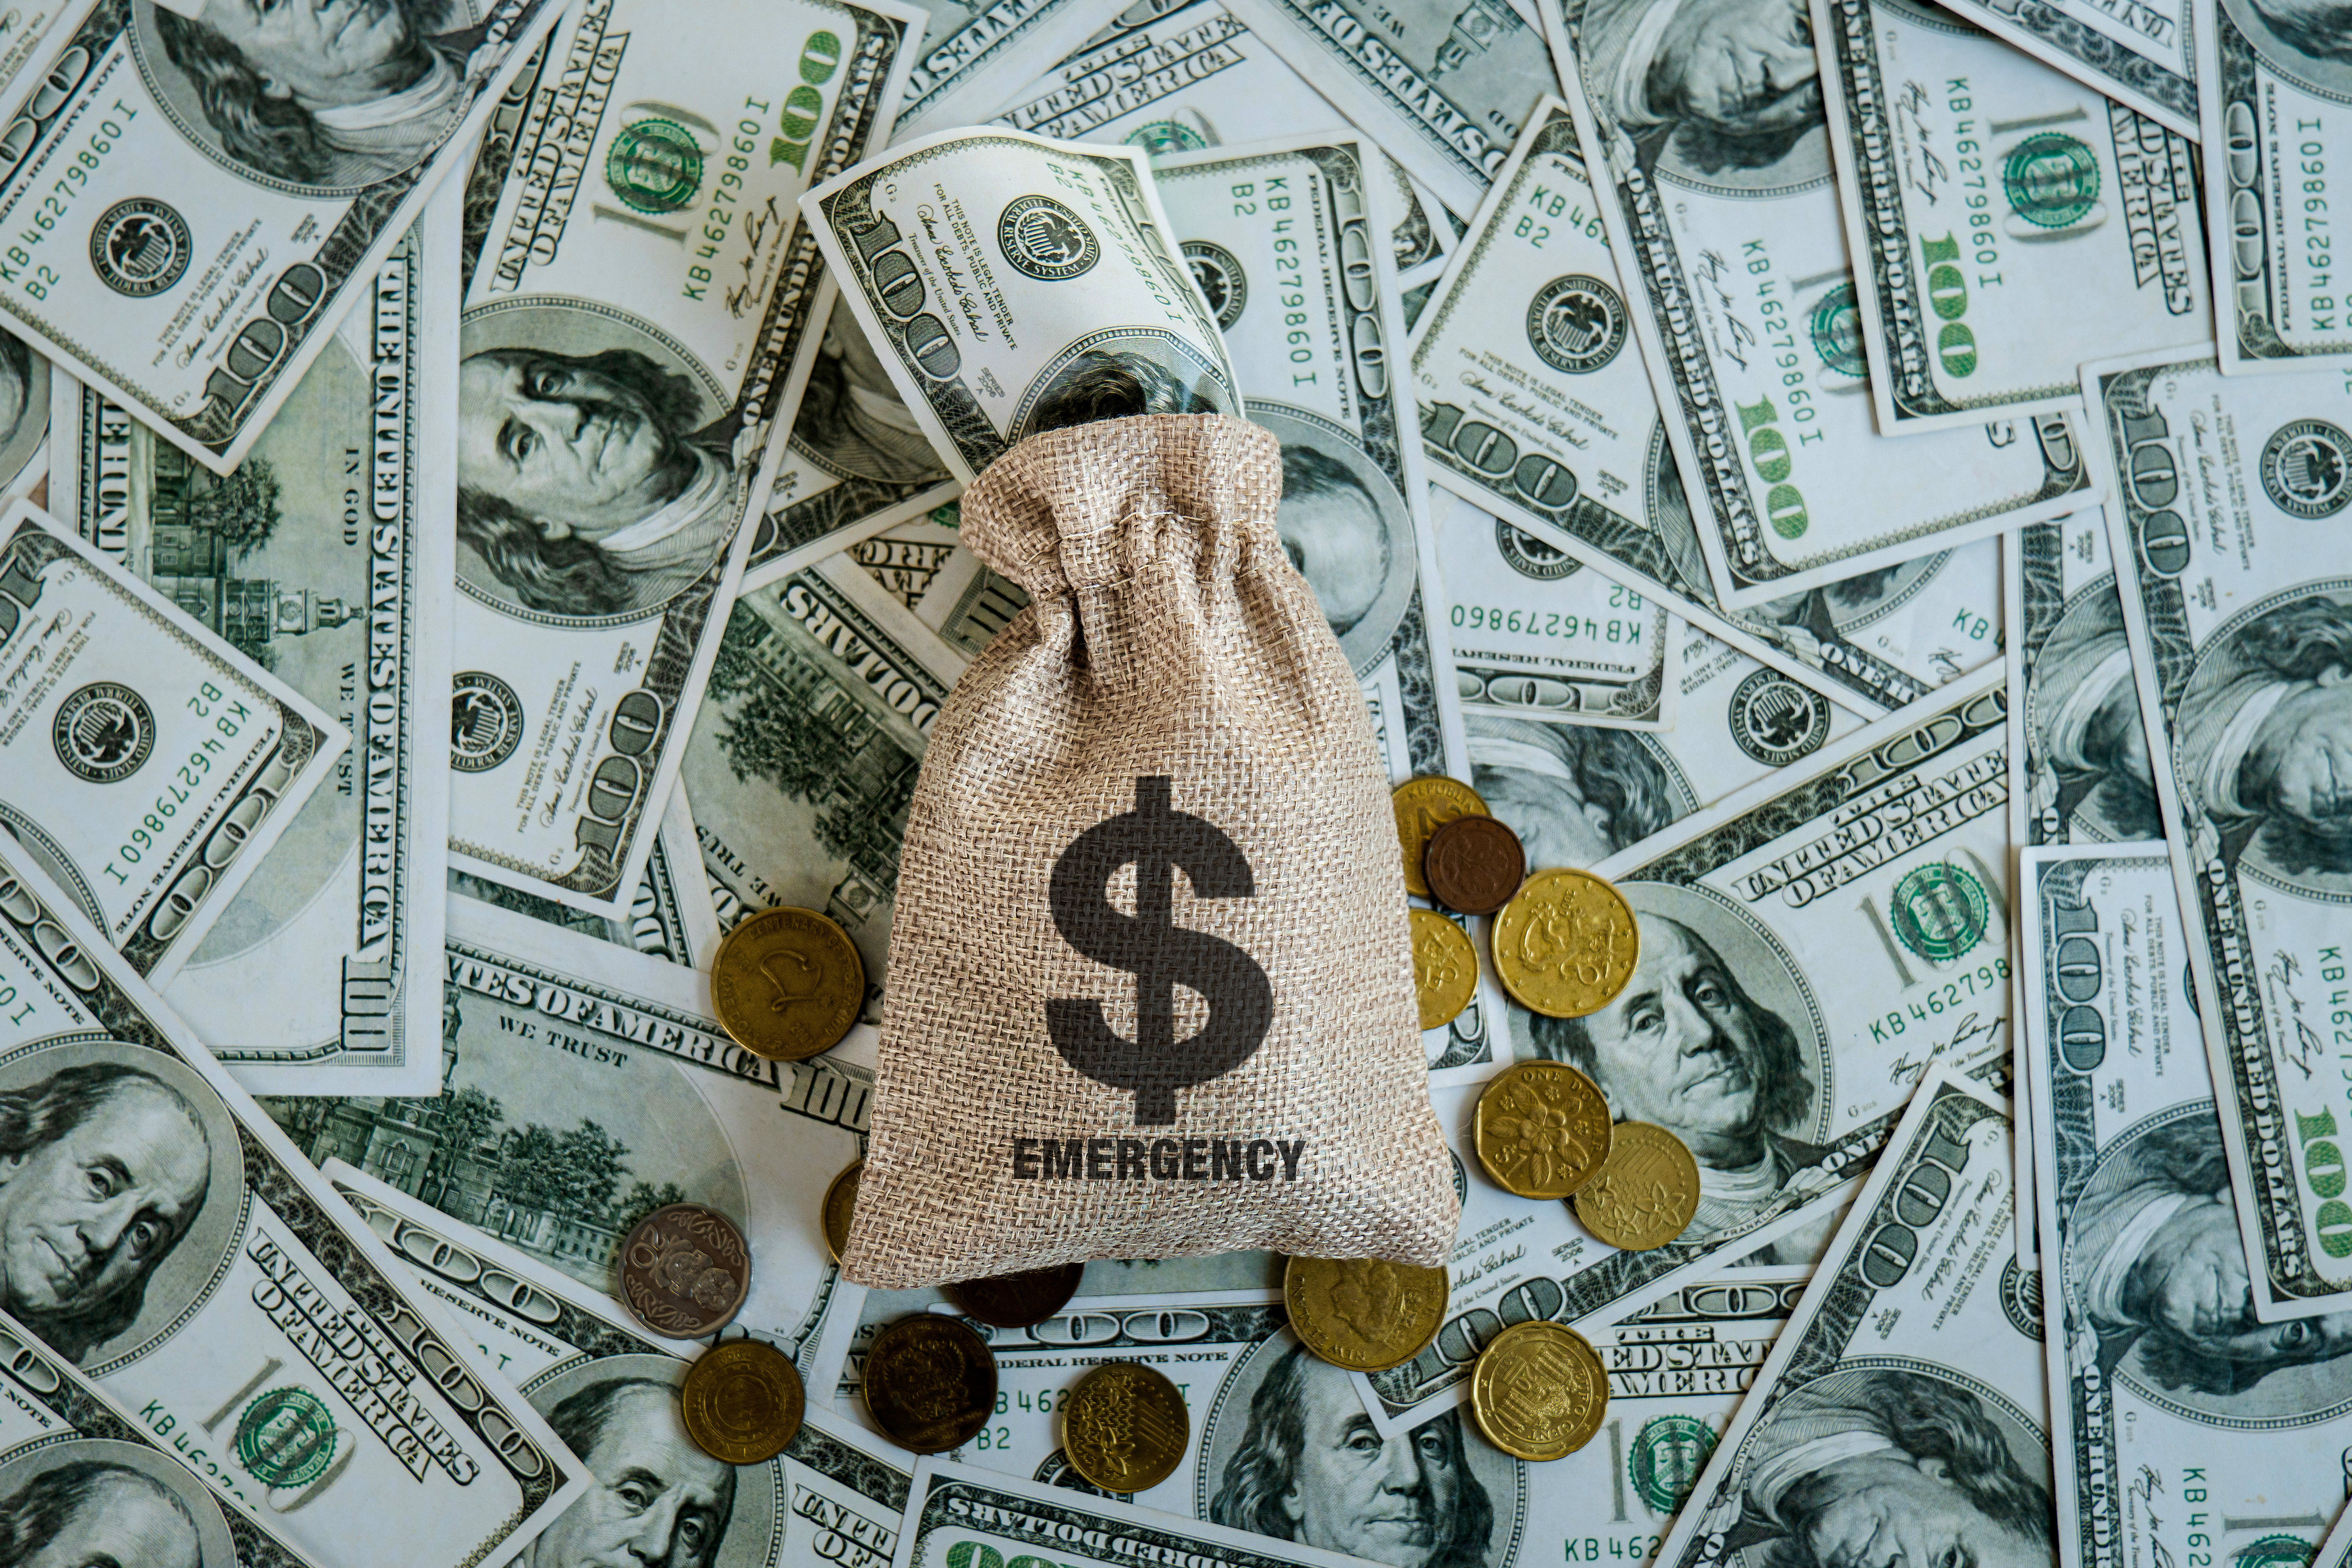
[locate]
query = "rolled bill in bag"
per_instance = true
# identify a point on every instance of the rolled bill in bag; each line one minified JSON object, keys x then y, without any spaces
{"x":1084,"y":1053}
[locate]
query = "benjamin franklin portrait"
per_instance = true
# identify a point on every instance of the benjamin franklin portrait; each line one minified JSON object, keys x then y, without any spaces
{"x":583,"y":487}
{"x":333,"y":93}
{"x":103,"y":1168}
{"x":852,"y":420}
{"x":99,"y":1503}
{"x":1721,"y":90}
{"x":656,"y":1500}
{"x":2081,"y":720}
{"x":1312,"y":1468}
{"x":1575,"y":794}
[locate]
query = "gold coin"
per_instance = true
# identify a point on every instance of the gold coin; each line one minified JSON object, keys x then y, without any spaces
{"x":1125,"y":1426}
{"x":1366,"y":1315}
{"x":840,"y":1204}
{"x":1646,"y":1192}
{"x":930,"y":1383}
{"x":1444,"y":967}
{"x":1541,"y":1129}
{"x":742,"y":1402}
{"x":1537,"y":1391}
{"x":1567,"y":944}
{"x":1422,"y":806}
{"x":787,"y":983}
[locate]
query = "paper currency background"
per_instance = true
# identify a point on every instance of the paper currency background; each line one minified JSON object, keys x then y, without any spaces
{"x":1867,"y":479}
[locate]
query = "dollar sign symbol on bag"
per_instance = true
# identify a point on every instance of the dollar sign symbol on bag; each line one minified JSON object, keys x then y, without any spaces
{"x":1156,"y":840}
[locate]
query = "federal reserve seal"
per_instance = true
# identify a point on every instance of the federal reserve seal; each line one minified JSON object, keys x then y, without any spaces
{"x":2020,"y":1298}
{"x":1668,"y":1454}
{"x":1530,"y":556}
{"x":1045,"y":240}
{"x":2275,"y":1552}
{"x":1776,"y":720}
{"x":2307,"y":468}
{"x":1940,"y":910}
{"x":1836,"y":328}
{"x":1576,"y":324}
{"x":485,"y":722}
{"x":103,"y":732}
{"x":140,"y":247}
{"x":1223,"y":283}
{"x":286,"y":1438}
{"x":2051,"y":179}
{"x":655,"y":166}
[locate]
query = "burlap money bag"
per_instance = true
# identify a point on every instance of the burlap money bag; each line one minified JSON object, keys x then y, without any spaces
{"x":1151,"y":991}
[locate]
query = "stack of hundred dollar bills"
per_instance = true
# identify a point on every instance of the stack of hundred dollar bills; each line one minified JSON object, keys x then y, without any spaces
{"x":1870,"y":479}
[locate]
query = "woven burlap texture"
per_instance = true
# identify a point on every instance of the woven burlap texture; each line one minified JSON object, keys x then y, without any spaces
{"x":1169,"y":636}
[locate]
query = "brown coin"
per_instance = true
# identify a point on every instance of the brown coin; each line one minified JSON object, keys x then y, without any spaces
{"x":787,"y":983}
{"x":1125,"y":1426}
{"x":1566,"y":944}
{"x":685,"y":1270}
{"x":1363,"y":1314}
{"x":742,"y":1402}
{"x":1646,"y":1193}
{"x":1422,"y":806}
{"x":1444,"y":967}
{"x":930,"y":1383}
{"x":1537,"y":1391}
{"x":1474,"y":864}
{"x":1541,"y":1129}
{"x":1017,"y":1300}
{"x":840,"y":1203}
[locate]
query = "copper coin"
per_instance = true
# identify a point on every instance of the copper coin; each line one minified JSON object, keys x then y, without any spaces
{"x":840,"y":1205}
{"x":1474,"y":864}
{"x":742,"y":1402}
{"x":685,"y":1270}
{"x":930,"y":1383}
{"x":1017,"y":1300}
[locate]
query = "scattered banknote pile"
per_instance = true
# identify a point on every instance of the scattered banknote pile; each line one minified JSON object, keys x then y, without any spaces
{"x":1837,"y":509}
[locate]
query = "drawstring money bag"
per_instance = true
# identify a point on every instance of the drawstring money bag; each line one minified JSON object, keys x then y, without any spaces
{"x":1151,"y":991}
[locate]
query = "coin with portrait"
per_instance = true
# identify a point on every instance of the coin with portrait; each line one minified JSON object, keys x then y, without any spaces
{"x":1366,"y":1315}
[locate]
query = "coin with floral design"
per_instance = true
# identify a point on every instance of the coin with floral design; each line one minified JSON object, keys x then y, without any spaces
{"x":1646,"y":1193}
{"x":1541,"y":1129}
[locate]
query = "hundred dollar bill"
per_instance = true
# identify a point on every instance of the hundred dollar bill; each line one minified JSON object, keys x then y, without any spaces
{"x":976,"y":53}
{"x":1901,"y":1416}
{"x":1010,"y":284}
{"x":2239,"y":628}
{"x":222,"y":183}
{"x":2273,"y":78}
{"x":625,"y":359}
{"x":922,"y":566}
{"x":1443,"y":88}
{"x":178,"y":1249}
{"x":592,"y":1086}
{"x":854,"y":463}
{"x":1535,"y":405}
{"x":959,"y":1516}
{"x":2159,"y":1375}
{"x":1177,"y":78}
{"x":804,"y":759}
{"x":2135,"y":53}
{"x":2012,"y":221}
{"x":146,"y":765}
{"x":81,"y":1483}
{"x":1746,"y":313}
{"x":1536,"y":636}
{"x":25,"y":401}
{"x":672,"y":917}
{"x":1433,"y":1494}
{"x":327,"y":558}
{"x":833,"y":1496}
